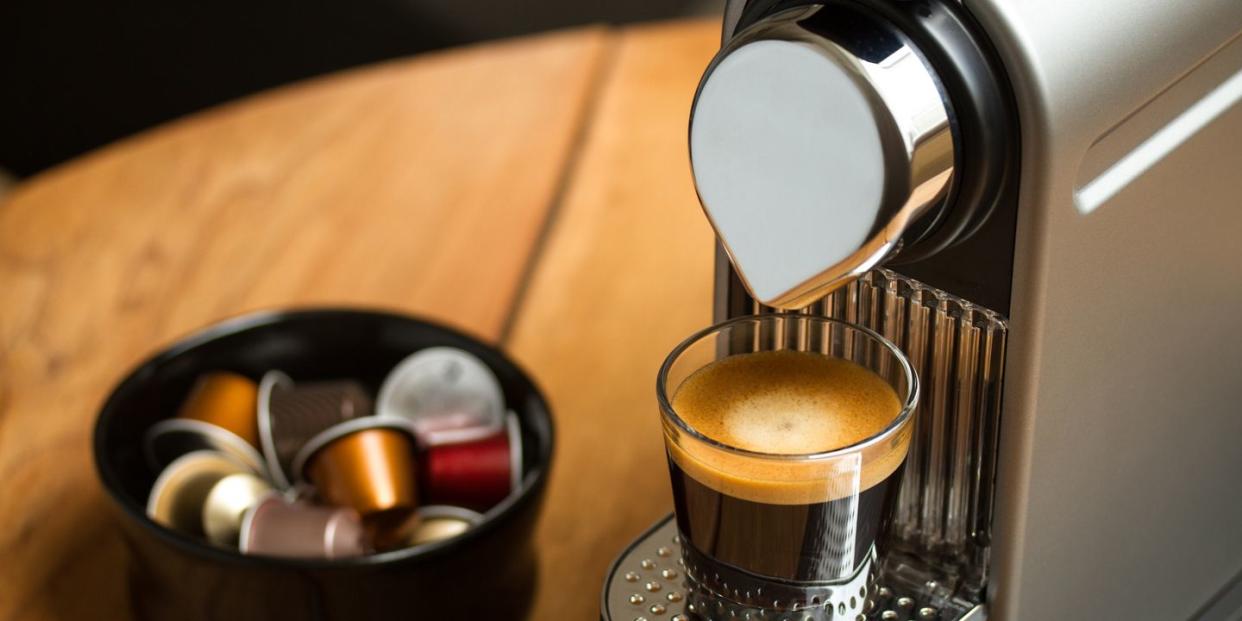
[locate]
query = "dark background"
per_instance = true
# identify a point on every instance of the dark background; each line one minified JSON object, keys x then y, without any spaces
{"x":76,"y":75}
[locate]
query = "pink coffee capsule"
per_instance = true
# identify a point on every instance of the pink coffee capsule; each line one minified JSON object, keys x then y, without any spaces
{"x":277,"y":527}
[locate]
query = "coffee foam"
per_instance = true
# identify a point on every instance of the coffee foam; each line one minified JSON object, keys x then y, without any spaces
{"x":787,"y":403}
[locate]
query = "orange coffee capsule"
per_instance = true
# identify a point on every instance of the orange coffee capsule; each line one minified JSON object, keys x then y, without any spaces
{"x":366,"y":464}
{"x":226,"y":400}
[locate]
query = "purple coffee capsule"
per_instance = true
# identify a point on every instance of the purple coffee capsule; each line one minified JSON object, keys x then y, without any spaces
{"x":290,"y":414}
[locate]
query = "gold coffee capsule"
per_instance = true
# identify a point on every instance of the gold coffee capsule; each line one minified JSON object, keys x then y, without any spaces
{"x":227,"y":504}
{"x":438,"y":522}
{"x":180,"y":492}
{"x":226,"y":400}
{"x":366,"y":464}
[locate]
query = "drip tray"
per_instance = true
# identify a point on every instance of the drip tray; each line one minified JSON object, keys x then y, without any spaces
{"x":647,"y":583}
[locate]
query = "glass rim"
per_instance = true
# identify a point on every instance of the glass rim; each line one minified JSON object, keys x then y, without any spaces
{"x":907,"y":407}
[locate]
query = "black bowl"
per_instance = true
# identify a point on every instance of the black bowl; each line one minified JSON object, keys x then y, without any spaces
{"x":488,"y":571}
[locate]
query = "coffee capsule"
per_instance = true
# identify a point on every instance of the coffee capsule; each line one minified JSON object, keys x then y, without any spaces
{"x":171,"y":438}
{"x":277,"y":527}
{"x":227,"y":503}
{"x":447,"y":394}
{"x":181,"y":490}
{"x":226,"y":400}
{"x":291,"y":414}
{"x":301,"y":491}
{"x":439,"y":522}
{"x":366,"y":464}
{"x":476,"y":474}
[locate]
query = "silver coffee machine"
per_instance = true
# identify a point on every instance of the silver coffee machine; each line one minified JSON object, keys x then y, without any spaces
{"x":1041,"y":204}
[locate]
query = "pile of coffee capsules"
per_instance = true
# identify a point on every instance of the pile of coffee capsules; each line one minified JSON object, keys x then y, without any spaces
{"x":319,"y":469}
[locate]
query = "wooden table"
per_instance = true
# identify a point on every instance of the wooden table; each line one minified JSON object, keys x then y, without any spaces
{"x":535,"y":193}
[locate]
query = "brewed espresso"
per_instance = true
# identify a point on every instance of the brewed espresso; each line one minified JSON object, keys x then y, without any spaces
{"x":781,"y":515}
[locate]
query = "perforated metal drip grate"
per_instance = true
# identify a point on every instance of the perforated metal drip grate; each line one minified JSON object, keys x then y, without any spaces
{"x":648,"y":582}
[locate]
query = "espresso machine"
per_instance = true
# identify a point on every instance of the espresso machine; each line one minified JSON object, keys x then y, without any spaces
{"x":1040,"y":203}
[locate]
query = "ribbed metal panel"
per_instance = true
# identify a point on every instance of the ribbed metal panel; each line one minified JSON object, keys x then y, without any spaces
{"x":942,"y":528}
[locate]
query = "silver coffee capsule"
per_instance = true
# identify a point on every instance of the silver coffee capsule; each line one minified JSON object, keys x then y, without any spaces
{"x":169,"y":439}
{"x":447,"y":394}
{"x":440,"y":522}
{"x":180,"y":492}
{"x":227,"y":504}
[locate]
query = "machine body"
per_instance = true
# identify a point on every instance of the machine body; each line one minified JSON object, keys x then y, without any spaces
{"x":1061,"y":222}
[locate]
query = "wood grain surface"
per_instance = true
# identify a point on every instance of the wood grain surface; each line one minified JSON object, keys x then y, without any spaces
{"x":421,"y":185}
{"x":625,"y":275}
{"x":535,"y":193}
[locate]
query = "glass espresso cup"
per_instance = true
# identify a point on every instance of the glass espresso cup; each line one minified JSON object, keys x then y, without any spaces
{"x":786,"y":436}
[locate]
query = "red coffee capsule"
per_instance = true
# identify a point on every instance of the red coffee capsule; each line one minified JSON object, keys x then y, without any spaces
{"x":476,"y":474}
